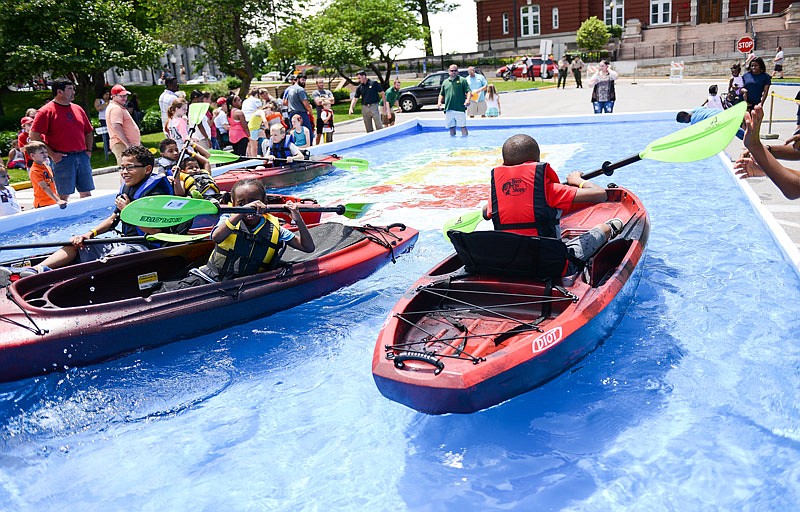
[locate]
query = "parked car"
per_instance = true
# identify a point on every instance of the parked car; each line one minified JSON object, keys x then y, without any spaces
{"x":426,"y":92}
{"x":517,"y":68}
{"x":203,"y":80}
{"x":272,"y":76}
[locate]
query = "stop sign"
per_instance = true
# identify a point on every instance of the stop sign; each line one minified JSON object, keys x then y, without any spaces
{"x":745,"y":44}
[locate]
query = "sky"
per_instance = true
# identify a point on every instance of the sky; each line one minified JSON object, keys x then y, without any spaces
{"x":459,"y":31}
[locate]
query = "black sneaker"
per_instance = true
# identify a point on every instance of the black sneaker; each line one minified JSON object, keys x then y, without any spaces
{"x":616,"y":227}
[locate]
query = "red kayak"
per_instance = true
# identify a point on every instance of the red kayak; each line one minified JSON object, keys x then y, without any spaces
{"x":280,"y":176}
{"x":86,"y":313}
{"x":496,"y":320}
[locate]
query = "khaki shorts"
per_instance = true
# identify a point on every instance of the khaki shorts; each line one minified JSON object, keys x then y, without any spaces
{"x":476,"y":108}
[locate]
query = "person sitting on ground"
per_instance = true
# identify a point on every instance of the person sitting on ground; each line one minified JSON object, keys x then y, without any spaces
{"x":44,"y":186}
{"x":701,"y":114}
{"x":16,"y":156}
{"x":762,"y":160}
{"x":279,"y":146}
{"x":193,"y":181}
{"x":139,"y":181}
{"x":713,"y":100}
{"x":167,"y":162}
{"x":301,"y":137}
{"x":8,"y":196}
{"x":514,"y":208}
{"x":247,"y":244}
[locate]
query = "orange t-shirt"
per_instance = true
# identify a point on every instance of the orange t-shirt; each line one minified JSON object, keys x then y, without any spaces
{"x":39,"y":173}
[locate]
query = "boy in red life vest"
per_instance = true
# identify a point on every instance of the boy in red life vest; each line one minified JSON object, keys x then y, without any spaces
{"x":527,"y":198}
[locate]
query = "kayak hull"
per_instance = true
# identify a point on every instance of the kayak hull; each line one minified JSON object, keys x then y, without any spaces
{"x":456,"y":343}
{"x":95,"y":311}
{"x":281,"y":176}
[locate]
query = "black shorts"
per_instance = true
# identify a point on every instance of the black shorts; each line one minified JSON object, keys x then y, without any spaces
{"x":319,"y":125}
{"x":779,"y":67}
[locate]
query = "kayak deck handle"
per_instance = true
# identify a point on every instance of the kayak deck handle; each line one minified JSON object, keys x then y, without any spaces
{"x":413,"y":355}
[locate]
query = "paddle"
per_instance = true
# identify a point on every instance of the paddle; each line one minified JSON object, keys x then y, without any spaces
{"x":347,"y":164}
{"x":164,"y":211}
{"x":156,"y":237}
{"x":695,"y":142}
{"x":197,"y":112}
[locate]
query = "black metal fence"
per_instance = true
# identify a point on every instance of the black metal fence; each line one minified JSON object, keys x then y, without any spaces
{"x":767,"y":42}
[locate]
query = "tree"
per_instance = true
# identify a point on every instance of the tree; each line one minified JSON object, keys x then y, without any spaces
{"x":592,"y":35}
{"x":376,"y":31}
{"x":72,"y":38}
{"x":222,"y":29}
{"x":332,"y":51}
{"x":425,"y":8}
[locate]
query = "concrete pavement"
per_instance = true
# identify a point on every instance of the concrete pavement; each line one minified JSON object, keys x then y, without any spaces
{"x":643,"y":95}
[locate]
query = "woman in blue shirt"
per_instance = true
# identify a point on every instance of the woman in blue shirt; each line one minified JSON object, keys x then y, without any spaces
{"x":756,"y":83}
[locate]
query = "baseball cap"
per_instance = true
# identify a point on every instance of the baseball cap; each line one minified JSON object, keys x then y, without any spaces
{"x":119,"y":89}
{"x":362,"y":72}
{"x":26,"y":120}
{"x":221,"y":100}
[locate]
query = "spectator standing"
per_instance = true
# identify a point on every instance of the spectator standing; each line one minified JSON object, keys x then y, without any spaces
{"x":327,"y":121}
{"x":45,"y":190}
{"x":201,"y":135}
{"x":300,"y":135}
{"x":133,"y":108}
{"x":318,"y":97}
{"x":251,"y":103}
{"x":756,"y":83}
{"x":563,"y":69}
{"x":177,"y":127}
{"x":183,"y":74}
{"x":23,"y":137}
{"x":8,"y":196}
{"x":529,"y":63}
{"x":603,"y":93}
{"x":370,"y":93}
{"x":239,"y":133}
{"x":492,"y":102}
{"x":454,"y":97}
{"x":100,"y":105}
{"x":298,"y":102}
{"x":70,"y":137}
{"x":167,"y":96}
{"x":122,"y":129}
{"x":577,"y":69}
{"x":736,"y":83}
{"x":477,"y":86}
{"x":778,"y":63}
{"x":221,"y":122}
{"x":392,"y":95}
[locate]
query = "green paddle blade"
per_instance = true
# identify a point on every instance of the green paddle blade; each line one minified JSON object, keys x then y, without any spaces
{"x":222,"y":157}
{"x":165,"y":211}
{"x":466,"y":222}
{"x":356,"y":210}
{"x":698,"y":141}
{"x":197,"y":112}
{"x":174,"y":238}
{"x":351,"y":164}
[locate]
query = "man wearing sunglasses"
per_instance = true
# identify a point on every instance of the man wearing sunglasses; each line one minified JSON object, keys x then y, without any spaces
{"x":136,"y":172}
{"x":454,"y":96}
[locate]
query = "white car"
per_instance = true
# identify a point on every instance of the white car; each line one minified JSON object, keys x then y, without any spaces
{"x":203,"y":80}
{"x":272,"y":76}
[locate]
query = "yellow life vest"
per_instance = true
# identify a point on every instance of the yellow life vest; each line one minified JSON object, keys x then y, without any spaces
{"x":245,"y":253}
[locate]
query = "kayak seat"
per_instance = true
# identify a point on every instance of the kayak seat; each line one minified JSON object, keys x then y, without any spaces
{"x":509,"y":254}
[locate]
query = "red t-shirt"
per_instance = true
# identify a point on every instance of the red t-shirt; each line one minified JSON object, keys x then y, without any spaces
{"x":64,"y":126}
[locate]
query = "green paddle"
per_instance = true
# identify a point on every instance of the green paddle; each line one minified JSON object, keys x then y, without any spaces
{"x":695,"y":142}
{"x":164,"y":211}
{"x":348,"y":164}
{"x":157,"y":237}
{"x":197,"y":112}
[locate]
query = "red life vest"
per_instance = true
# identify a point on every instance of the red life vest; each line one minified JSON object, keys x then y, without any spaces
{"x":519,"y":204}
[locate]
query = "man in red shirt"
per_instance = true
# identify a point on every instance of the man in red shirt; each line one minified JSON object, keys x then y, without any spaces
{"x":527,"y":198}
{"x":123,"y":132}
{"x":68,"y":133}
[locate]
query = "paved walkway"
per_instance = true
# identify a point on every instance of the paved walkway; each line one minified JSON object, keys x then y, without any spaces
{"x":642,"y":96}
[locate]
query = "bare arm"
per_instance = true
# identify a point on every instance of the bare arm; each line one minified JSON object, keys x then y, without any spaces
{"x":787,"y":180}
{"x":587,"y":192}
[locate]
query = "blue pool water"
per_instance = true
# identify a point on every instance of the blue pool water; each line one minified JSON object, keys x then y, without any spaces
{"x":689,"y":405}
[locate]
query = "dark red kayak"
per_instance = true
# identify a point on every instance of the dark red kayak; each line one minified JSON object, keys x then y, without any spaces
{"x":484,"y":326}
{"x":86,"y":313}
{"x":280,"y":176}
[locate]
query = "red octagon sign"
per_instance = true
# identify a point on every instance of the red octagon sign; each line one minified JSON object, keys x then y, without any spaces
{"x":745,"y":44}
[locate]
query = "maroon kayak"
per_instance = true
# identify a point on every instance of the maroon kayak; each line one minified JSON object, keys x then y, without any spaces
{"x":94,"y":311}
{"x":280,"y":176}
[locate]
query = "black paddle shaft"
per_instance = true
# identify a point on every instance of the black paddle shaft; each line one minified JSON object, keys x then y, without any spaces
{"x":88,"y":241}
{"x":608,"y":168}
{"x":340,"y":209}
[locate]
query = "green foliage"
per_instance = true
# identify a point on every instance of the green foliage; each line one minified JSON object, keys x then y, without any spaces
{"x":6,"y":139}
{"x":615,"y":31}
{"x":152,"y":121}
{"x":342,"y":94}
{"x":424,"y":8}
{"x":232,"y":82}
{"x":592,"y":34}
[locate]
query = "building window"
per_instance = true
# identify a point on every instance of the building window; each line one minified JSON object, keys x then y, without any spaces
{"x":505,"y":23}
{"x":555,"y":17}
{"x":660,"y":12}
{"x":614,"y":12}
{"x":760,"y":6}
{"x":529,"y":20}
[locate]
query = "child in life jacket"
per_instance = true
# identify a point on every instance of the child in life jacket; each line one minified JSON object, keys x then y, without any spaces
{"x":326,"y":115}
{"x":193,"y":181}
{"x":247,"y":244}
{"x":280,"y":147}
{"x":166,"y":164}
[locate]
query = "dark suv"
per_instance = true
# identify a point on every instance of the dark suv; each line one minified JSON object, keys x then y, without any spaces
{"x":426,"y":92}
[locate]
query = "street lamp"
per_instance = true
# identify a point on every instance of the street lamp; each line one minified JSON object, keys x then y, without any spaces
{"x":489,"y":25}
{"x":172,"y":61}
{"x":441,"y":48}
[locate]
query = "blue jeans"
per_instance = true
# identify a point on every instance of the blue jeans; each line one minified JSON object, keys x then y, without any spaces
{"x":74,"y":170}
{"x":603,"y":106}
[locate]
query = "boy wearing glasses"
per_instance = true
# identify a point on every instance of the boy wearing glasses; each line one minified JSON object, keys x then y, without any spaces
{"x":44,"y":187}
{"x":136,"y":172}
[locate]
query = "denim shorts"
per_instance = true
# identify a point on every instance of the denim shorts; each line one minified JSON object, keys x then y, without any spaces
{"x":73,"y":171}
